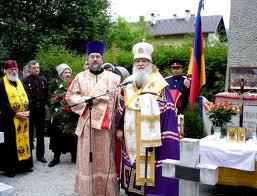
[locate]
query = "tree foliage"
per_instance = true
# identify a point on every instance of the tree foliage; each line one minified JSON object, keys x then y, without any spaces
{"x":125,"y":35}
{"x":53,"y":55}
{"x":216,"y":65}
{"x":26,"y":24}
{"x":215,"y":61}
{"x":193,"y":126}
{"x":3,"y":52}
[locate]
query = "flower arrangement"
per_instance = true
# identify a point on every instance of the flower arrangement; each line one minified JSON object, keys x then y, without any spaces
{"x":220,"y":113}
{"x":65,"y":119}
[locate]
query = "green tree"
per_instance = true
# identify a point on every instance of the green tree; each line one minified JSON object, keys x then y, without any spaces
{"x":53,"y":55}
{"x":216,"y":66}
{"x":4,"y":53}
{"x":125,"y":35}
{"x":26,"y":24}
{"x":193,"y":125}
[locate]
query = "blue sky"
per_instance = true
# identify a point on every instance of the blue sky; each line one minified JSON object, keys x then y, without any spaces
{"x":132,"y":9}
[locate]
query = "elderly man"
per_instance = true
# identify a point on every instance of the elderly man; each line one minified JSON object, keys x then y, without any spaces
{"x":148,"y":127}
{"x":179,"y":85}
{"x":95,"y":166}
{"x":64,"y":71}
{"x":108,"y":67}
{"x":16,"y":153}
{"x":62,"y":140}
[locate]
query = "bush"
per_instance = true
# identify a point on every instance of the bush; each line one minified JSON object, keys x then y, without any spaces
{"x":51,"y":56}
{"x":193,"y":125}
{"x":215,"y":62}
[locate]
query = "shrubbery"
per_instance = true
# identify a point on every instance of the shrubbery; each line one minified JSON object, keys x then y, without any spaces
{"x":215,"y":61}
{"x":193,"y":126}
{"x":52,"y":56}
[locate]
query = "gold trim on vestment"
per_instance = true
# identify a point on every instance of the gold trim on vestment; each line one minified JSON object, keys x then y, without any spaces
{"x":154,"y":83}
{"x":125,"y":129}
{"x":18,"y":100}
{"x":150,"y":117}
{"x":139,"y":158}
{"x":157,"y":142}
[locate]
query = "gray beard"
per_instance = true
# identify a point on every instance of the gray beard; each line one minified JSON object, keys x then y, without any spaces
{"x":12,"y":78}
{"x":95,"y":67}
{"x":141,"y":75}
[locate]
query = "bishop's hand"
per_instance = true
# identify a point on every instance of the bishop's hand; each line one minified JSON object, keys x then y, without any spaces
{"x":119,"y":134}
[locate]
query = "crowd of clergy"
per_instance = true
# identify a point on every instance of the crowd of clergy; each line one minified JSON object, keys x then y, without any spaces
{"x":126,"y":124}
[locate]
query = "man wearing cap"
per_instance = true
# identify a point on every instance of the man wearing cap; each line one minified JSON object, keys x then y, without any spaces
{"x":36,"y":87}
{"x":94,"y":176}
{"x":179,"y":85}
{"x":108,"y":67}
{"x":64,"y":71}
{"x":148,"y":128}
{"x":16,"y":155}
{"x":61,"y":141}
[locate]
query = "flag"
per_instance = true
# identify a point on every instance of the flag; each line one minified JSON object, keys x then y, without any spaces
{"x":196,"y":66}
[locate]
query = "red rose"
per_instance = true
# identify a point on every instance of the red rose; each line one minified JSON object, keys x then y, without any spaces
{"x":64,"y":97}
{"x":56,"y":97}
{"x":66,"y":108}
{"x":69,"y":80}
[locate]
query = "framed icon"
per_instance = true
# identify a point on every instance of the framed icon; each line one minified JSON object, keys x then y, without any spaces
{"x":232,"y":133}
{"x":248,"y":74}
{"x":241,"y":134}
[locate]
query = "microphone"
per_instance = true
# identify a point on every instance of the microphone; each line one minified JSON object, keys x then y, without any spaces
{"x":126,"y":83}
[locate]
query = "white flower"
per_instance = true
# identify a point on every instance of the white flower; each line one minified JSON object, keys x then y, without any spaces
{"x":60,"y":86}
{"x":56,"y":109}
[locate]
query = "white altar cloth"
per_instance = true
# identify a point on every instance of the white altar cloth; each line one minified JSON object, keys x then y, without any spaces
{"x":221,"y":153}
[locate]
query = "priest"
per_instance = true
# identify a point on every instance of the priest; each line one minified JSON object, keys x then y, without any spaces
{"x":148,"y":128}
{"x":95,"y":166}
{"x":16,"y":152}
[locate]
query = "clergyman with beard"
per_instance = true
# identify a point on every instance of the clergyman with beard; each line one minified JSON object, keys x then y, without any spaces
{"x":148,"y":126}
{"x":15,"y":151}
{"x":101,"y":178}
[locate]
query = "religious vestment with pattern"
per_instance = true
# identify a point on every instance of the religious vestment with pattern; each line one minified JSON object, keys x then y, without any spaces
{"x":103,"y":179}
{"x":149,"y":121}
{"x":16,"y":148}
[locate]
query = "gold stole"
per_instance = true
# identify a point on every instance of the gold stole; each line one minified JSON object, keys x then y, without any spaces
{"x":155,"y":83}
{"x":19,"y":102}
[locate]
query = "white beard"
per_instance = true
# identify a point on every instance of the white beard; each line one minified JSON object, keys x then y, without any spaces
{"x":141,"y":75}
{"x":12,"y":77}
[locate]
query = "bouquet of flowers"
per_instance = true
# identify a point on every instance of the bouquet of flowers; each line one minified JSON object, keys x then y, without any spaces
{"x":220,"y":113}
{"x":65,"y":119}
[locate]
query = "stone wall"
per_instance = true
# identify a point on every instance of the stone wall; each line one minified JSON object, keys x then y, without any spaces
{"x":242,"y":38}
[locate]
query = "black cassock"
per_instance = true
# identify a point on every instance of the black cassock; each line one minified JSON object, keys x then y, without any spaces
{"x":8,"y":150}
{"x":61,"y":143}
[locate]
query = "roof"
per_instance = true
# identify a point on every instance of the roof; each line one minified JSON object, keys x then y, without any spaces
{"x":176,"y":26}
